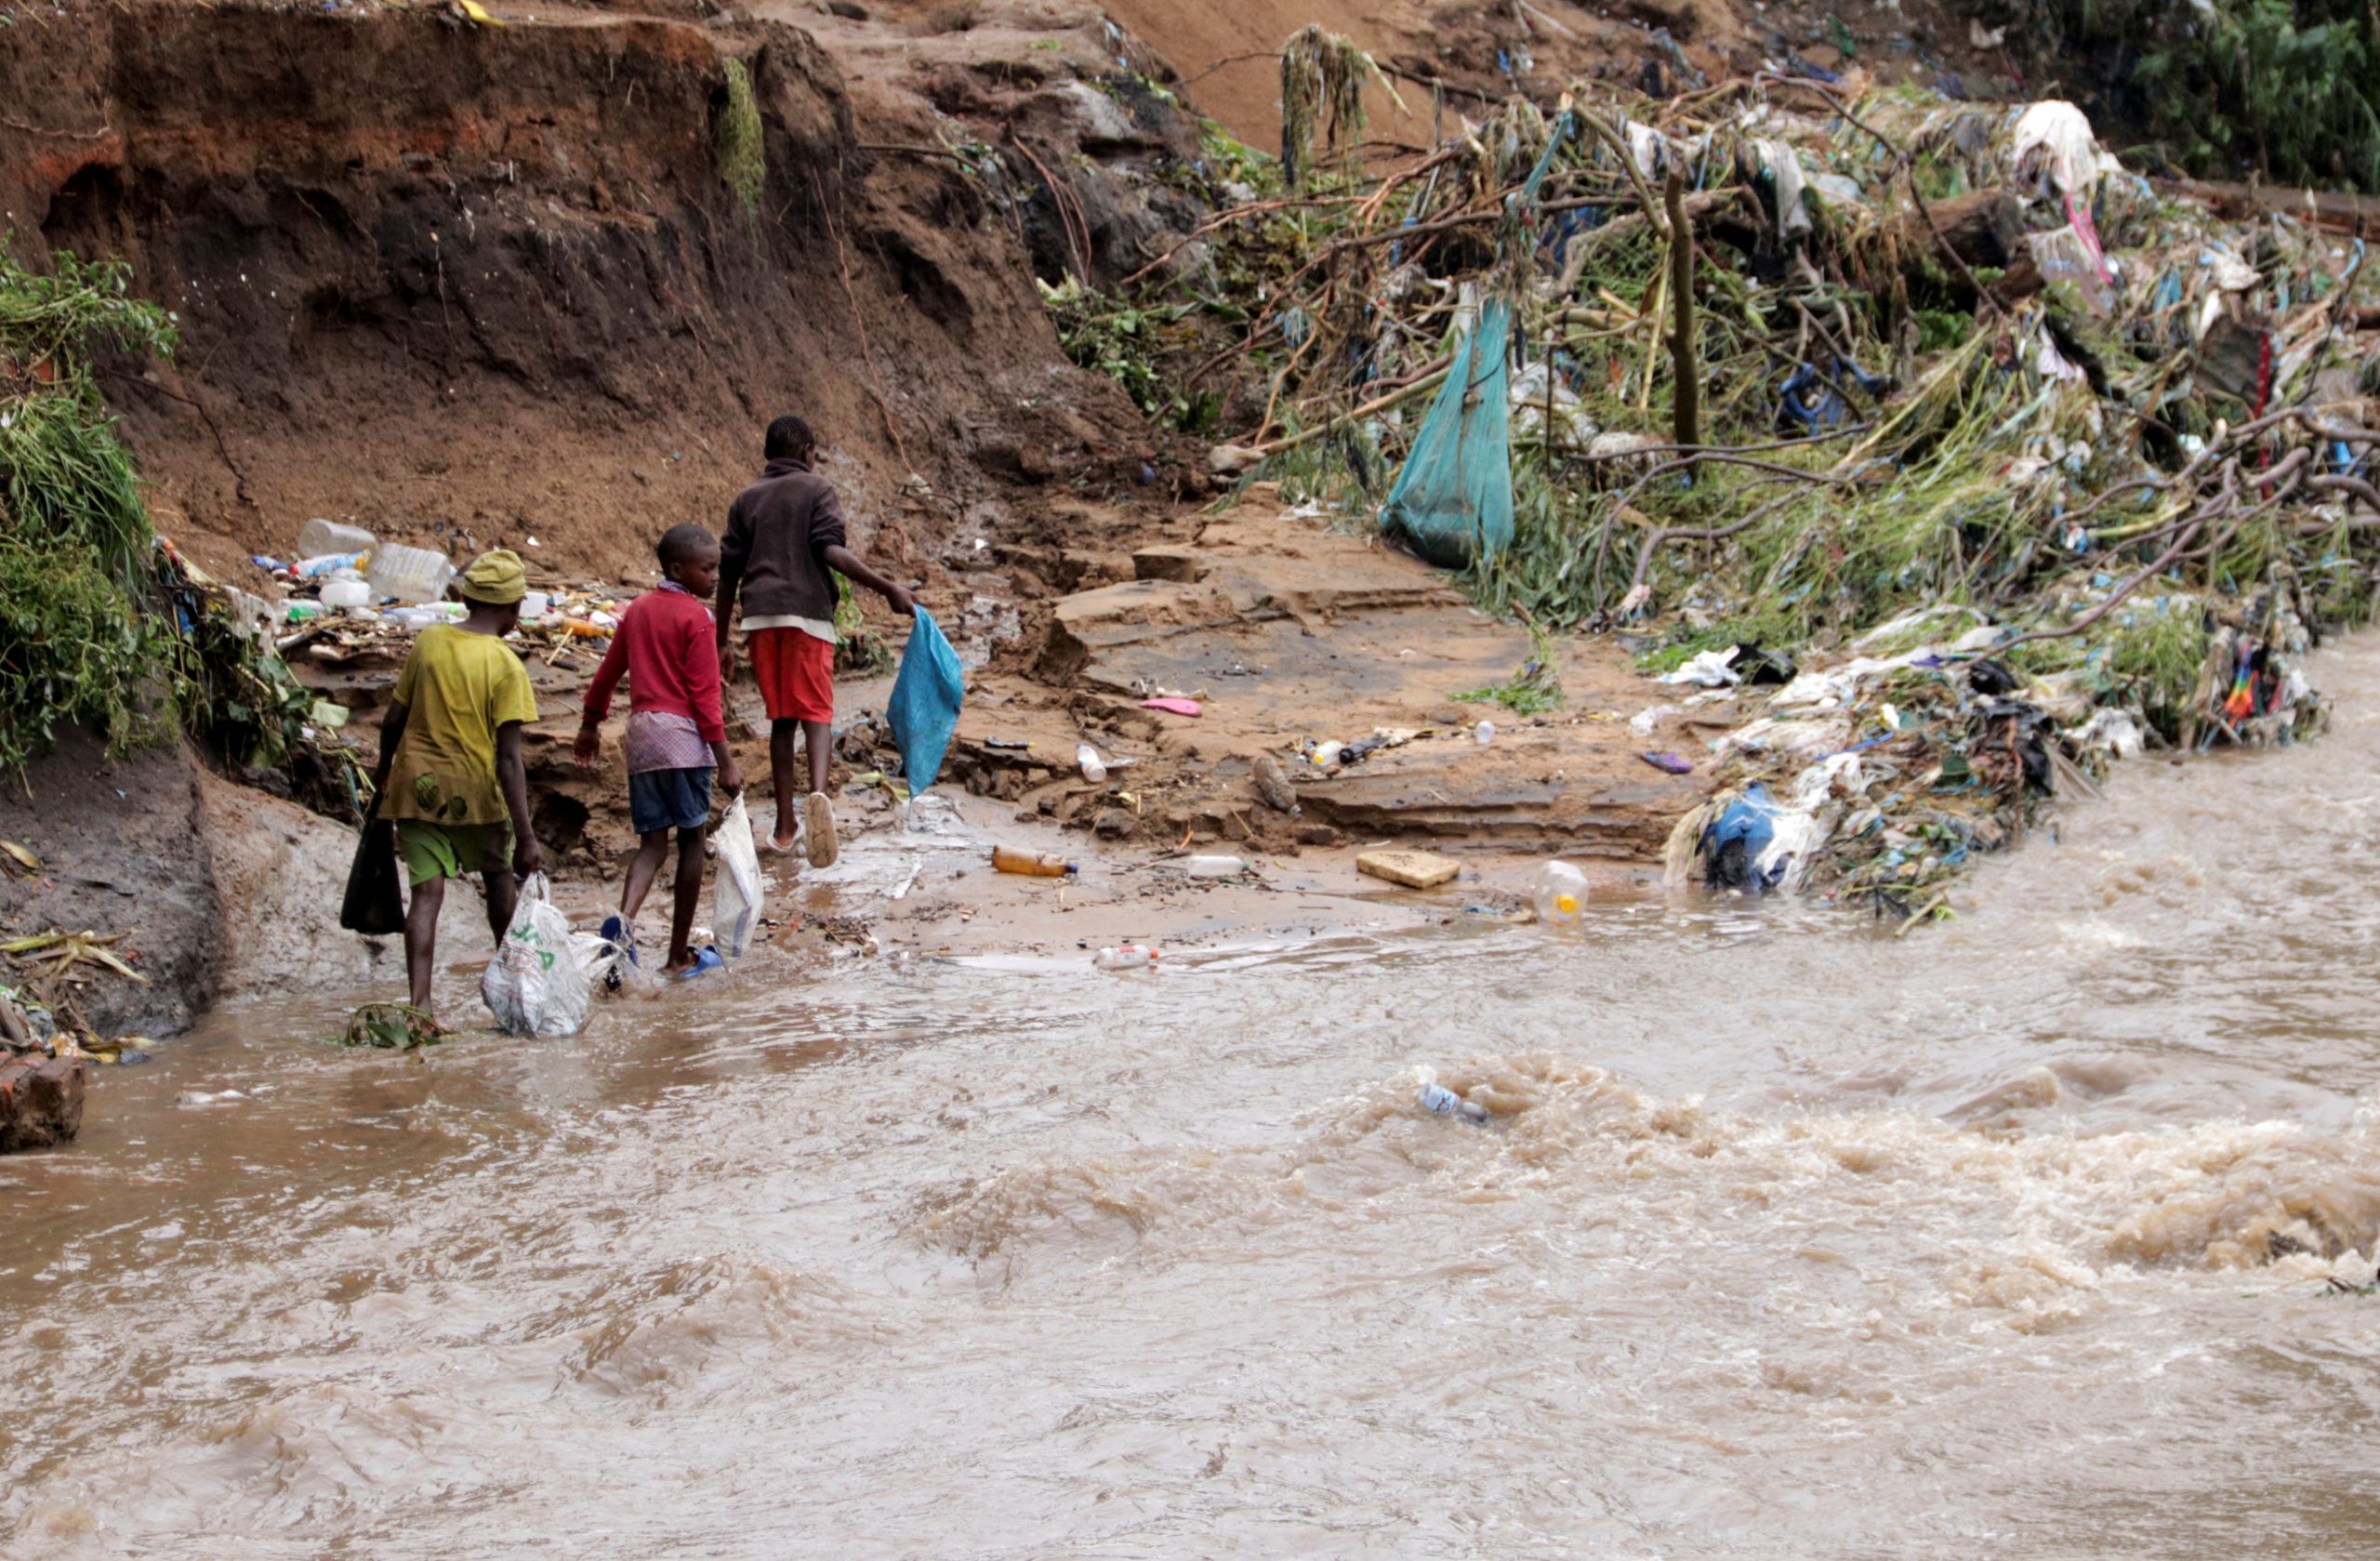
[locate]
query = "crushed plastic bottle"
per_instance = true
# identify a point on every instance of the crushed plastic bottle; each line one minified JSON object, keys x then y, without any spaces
{"x":1439,"y":1101}
{"x":1559,"y":893}
{"x":1126,"y":957}
{"x":1008,"y":859}
{"x":346,"y":593}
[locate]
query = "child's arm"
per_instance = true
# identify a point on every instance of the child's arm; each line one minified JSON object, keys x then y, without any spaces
{"x":528,"y":856}
{"x":704,"y":691}
{"x":848,"y":564}
{"x":589,"y":745}
{"x":733,"y":549}
{"x":392,"y":733}
{"x":731,"y":774}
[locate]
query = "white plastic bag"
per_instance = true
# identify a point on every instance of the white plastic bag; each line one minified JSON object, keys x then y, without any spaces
{"x":536,"y":985}
{"x":735,"y":900}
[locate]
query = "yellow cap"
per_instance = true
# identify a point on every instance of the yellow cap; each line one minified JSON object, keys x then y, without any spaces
{"x":495,"y":577}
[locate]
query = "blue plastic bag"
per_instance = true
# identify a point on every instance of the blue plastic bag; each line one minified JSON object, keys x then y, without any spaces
{"x":924,"y":709}
{"x":1734,"y":842}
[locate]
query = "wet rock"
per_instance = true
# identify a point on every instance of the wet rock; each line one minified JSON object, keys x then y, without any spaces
{"x":1317,"y":835}
{"x":41,"y":1101}
{"x":1168,"y":562}
{"x":1114,"y":824}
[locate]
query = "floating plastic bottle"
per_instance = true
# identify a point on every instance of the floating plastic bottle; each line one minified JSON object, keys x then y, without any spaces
{"x":1126,"y":957}
{"x":1008,"y":859}
{"x":408,"y":574}
{"x":1094,"y":769}
{"x":1439,"y":1101}
{"x":1559,"y":893}
{"x":318,"y":536}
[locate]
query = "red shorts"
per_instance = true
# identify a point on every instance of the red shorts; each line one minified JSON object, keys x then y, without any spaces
{"x":795,"y":673}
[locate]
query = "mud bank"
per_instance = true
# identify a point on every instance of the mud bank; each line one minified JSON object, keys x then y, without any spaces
{"x":472,"y":284}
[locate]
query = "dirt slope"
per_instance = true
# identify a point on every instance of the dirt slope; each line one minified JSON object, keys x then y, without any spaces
{"x":471,"y":284}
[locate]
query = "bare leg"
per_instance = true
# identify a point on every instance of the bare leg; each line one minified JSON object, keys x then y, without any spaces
{"x":689,"y":896}
{"x":781,"y":735}
{"x":651,"y":850}
{"x":819,"y":737}
{"x":421,"y":938}
{"x":503,"y":895}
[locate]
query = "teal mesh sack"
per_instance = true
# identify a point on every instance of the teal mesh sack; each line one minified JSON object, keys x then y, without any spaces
{"x":1453,"y":501}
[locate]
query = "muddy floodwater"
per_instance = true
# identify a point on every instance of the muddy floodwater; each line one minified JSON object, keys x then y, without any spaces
{"x":1787,"y":1239}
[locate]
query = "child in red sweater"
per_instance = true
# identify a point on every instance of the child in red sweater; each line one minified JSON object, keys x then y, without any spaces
{"x":677,"y":736}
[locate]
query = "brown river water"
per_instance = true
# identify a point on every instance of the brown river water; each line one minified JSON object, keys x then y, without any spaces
{"x":1788,"y":1239}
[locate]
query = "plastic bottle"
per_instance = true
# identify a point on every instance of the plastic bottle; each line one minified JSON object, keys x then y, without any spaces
{"x":408,"y":574}
{"x":1008,"y":859}
{"x":1126,"y":957}
{"x":318,"y":536}
{"x":1215,"y":866}
{"x":1092,"y":769}
{"x":1439,"y":1101}
{"x":345,"y":593}
{"x":1560,"y":895}
{"x":316,"y":566}
{"x":1484,"y":732}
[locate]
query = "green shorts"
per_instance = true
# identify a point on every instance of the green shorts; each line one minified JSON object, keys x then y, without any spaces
{"x":451,"y":850}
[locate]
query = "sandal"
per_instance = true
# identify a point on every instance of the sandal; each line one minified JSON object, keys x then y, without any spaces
{"x":617,"y":941}
{"x":818,"y":816}
{"x":706,"y":960}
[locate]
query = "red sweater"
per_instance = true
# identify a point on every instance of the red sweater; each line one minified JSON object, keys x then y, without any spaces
{"x":667,"y":647}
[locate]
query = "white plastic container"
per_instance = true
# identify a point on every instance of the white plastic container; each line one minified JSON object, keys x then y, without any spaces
{"x":1087,"y":759}
{"x":345,"y":593}
{"x":1484,"y":732}
{"x":1560,"y":895}
{"x":535,"y":605}
{"x":318,"y":536}
{"x":1126,"y":957}
{"x":408,"y":574}
{"x":1215,"y":866}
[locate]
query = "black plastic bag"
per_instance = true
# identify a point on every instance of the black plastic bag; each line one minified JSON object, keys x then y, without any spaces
{"x":374,"y":903}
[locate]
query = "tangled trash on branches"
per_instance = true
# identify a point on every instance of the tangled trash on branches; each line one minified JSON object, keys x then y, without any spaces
{"x":2026,"y":460}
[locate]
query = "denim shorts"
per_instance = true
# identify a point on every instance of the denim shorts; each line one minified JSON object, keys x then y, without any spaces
{"x":669,"y":800}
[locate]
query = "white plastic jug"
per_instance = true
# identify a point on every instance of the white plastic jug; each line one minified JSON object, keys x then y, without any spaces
{"x":345,"y":593}
{"x":408,"y":574}
{"x":1560,"y":895}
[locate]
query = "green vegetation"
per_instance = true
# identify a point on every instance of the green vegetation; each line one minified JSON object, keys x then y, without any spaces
{"x":859,"y":650}
{"x":1124,"y":341}
{"x":97,"y":626}
{"x":737,"y":144}
{"x":2286,"y":86}
{"x":74,"y":538}
{"x":1532,"y":691}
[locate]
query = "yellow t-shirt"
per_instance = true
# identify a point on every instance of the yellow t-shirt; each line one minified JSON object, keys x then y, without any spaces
{"x":457,"y":688}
